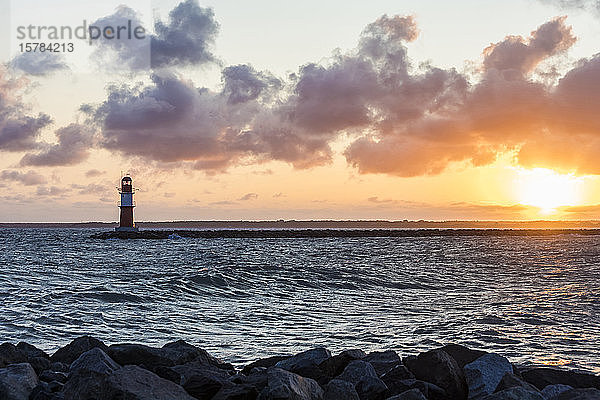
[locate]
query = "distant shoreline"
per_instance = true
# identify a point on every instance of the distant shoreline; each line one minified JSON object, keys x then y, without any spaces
{"x":321,"y":224}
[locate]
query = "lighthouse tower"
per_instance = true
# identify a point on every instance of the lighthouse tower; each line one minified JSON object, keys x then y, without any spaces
{"x":127,"y":204}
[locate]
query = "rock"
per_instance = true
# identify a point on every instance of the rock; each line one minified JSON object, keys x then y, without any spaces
{"x":263,"y":363}
{"x":463,"y":355}
{"x":383,"y":361}
{"x":17,"y":381}
{"x":398,"y":373}
{"x":511,"y":380}
{"x":313,"y":356}
{"x":77,"y":347}
{"x":258,"y":379}
{"x":365,"y":380}
{"x":134,"y":383}
{"x":429,"y":390}
{"x":579,"y":394}
{"x":542,"y":377}
{"x":285,"y":385}
{"x":439,"y":368}
{"x":94,"y":361}
{"x":197,"y":370}
{"x":515,"y":393}
{"x":203,"y":387}
{"x":307,"y":364}
{"x":334,"y":366}
{"x":10,"y":354}
{"x":413,"y":394}
{"x":59,"y":367}
{"x":88,"y":375}
{"x":551,"y":391}
{"x":171,"y":354}
{"x":31,"y":351}
{"x":338,"y":389}
{"x":181,"y":352}
{"x":49,"y":376}
{"x":485,"y":373}
{"x":236,"y":392}
{"x":39,"y":364}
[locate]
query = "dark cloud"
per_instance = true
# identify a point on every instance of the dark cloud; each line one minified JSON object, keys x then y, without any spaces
{"x":18,"y":130}
{"x":39,"y":63}
{"x":74,"y":142}
{"x":522,"y":55}
{"x":92,"y":173}
{"x":186,"y":38}
{"x":402,"y":120}
{"x":242,"y":83}
{"x":29,"y":178}
{"x":249,"y":196}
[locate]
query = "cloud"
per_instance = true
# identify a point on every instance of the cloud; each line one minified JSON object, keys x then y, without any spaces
{"x":401,"y":119}
{"x":39,"y":63}
{"x":74,"y":142}
{"x":29,"y":178}
{"x":186,"y":38}
{"x":519,"y":55}
{"x":52,"y":191}
{"x":249,"y":196}
{"x":92,"y":173}
{"x":585,"y":5}
{"x":18,"y":130}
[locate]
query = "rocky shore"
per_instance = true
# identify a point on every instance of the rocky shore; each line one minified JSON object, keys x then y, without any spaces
{"x":334,"y":233}
{"x":87,"y":369}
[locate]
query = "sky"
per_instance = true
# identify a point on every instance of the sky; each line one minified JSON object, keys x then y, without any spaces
{"x":472,"y":110}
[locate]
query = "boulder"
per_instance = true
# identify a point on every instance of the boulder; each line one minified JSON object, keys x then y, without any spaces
{"x":334,"y":366}
{"x":134,"y":383}
{"x":59,"y":367}
{"x":199,"y":371}
{"x":236,"y":392}
{"x":579,"y":394}
{"x":31,"y":351}
{"x":542,"y":377}
{"x":463,"y":355}
{"x":365,"y":380}
{"x":263,"y":363}
{"x":512,"y":380}
{"x":39,"y":364}
{"x":49,"y":376}
{"x":17,"y":381}
{"x":429,"y":390}
{"x":258,"y":379}
{"x":398,"y":373}
{"x":439,"y":368}
{"x":10,"y":354}
{"x":285,"y":385}
{"x":77,"y":347}
{"x":551,"y":391}
{"x":515,"y":393}
{"x":313,"y":356}
{"x":204,"y":387}
{"x":94,"y":361}
{"x":181,"y":352}
{"x":485,"y":373}
{"x":383,"y":361}
{"x":413,"y":394}
{"x":338,"y":389}
{"x":88,"y":375}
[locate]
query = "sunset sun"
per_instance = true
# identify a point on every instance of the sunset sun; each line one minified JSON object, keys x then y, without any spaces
{"x":547,"y":189}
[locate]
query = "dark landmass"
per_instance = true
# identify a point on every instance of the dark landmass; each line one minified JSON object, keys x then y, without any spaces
{"x":87,"y":369}
{"x":334,"y":233}
{"x":325,"y":224}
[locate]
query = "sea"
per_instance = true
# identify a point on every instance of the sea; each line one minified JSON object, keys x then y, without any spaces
{"x":533,"y":299}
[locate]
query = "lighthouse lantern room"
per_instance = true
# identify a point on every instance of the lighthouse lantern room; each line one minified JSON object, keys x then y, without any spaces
{"x":127,"y":204}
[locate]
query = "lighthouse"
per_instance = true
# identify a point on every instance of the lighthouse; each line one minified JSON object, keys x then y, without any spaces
{"x":127,"y":204}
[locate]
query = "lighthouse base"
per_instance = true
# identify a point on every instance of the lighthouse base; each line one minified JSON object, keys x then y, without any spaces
{"x":127,"y":229}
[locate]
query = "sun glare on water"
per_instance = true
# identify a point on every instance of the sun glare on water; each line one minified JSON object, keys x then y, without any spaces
{"x":548,"y":190}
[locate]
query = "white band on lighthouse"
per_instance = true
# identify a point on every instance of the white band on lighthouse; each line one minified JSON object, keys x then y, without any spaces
{"x":126,"y":199}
